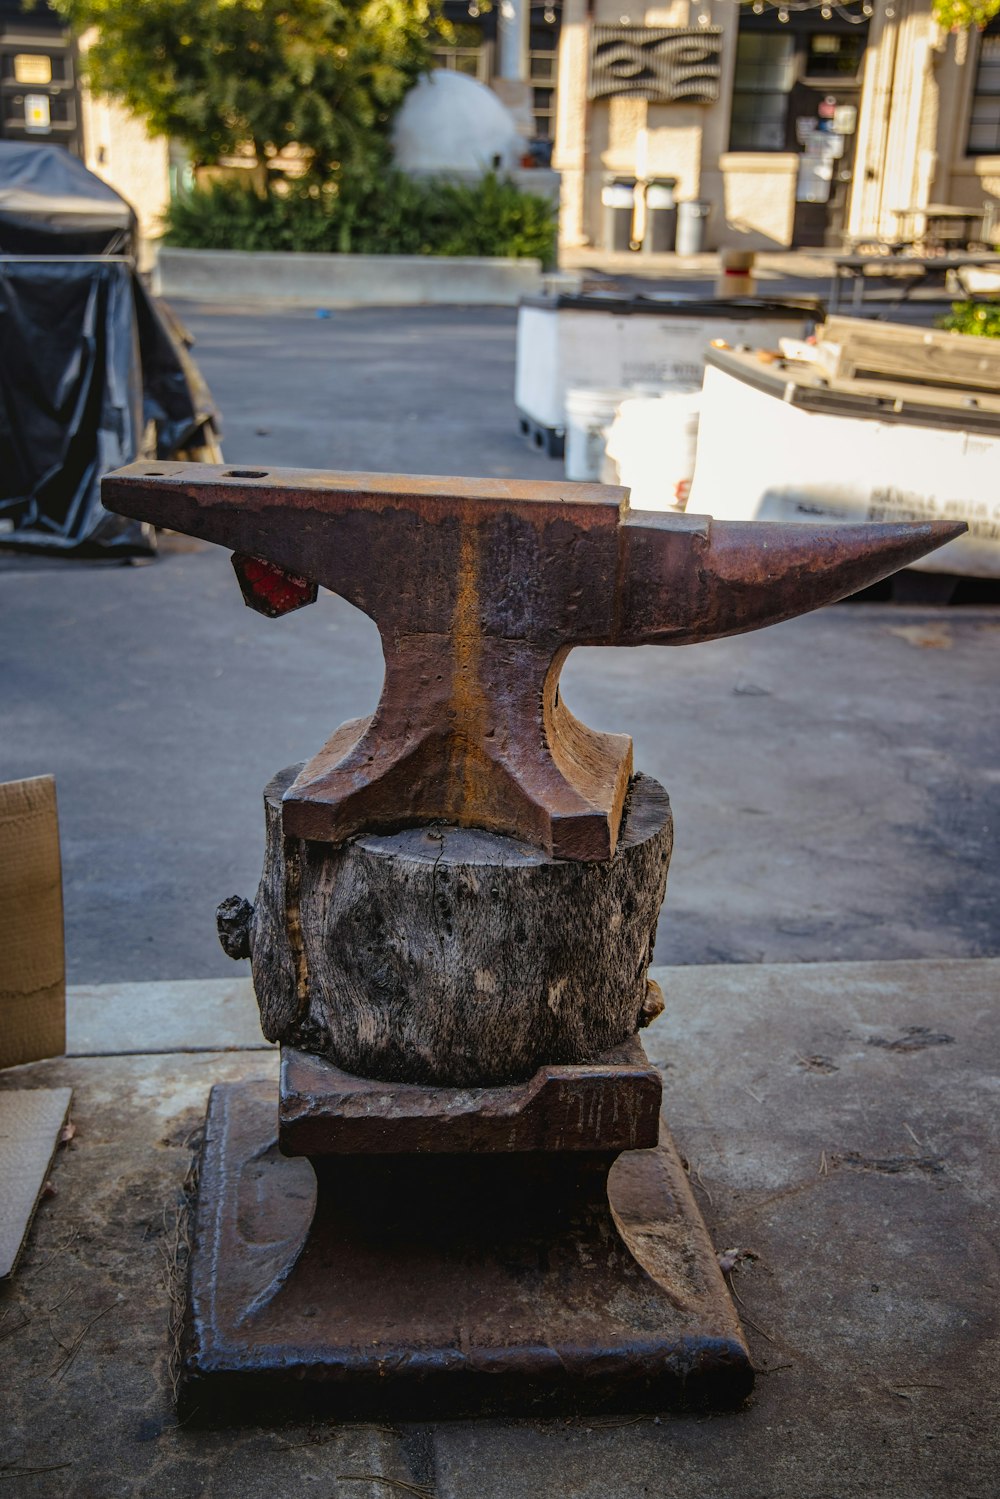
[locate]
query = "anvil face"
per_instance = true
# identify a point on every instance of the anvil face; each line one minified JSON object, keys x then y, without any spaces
{"x":480,"y":588}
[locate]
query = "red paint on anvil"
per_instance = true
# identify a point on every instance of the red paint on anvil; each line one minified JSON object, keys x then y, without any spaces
{"x":269,"y":589}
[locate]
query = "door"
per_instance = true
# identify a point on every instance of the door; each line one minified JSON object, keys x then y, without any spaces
{"x":823,"y":118}
{"x":797,"y":88}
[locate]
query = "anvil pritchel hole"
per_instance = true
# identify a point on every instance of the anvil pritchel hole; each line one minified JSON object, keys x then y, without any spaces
{"x":246,"y":473}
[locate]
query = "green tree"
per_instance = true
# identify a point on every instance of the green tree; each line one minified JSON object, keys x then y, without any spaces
{"x":962,"y":15}
{"x":218,"y":75}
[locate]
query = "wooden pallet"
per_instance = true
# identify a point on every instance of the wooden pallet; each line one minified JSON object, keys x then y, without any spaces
{"x":854,"y":347}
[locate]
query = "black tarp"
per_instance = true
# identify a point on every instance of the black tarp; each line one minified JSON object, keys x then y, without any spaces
{"x":70,"y":403}
{"x":51,"y":205}
{"x":94,"y":371}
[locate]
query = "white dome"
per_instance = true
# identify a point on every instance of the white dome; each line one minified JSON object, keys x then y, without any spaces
{"x":450,"y":123}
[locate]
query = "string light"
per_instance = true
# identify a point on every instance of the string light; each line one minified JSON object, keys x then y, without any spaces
{"x":704,"y":19}
{"x":827,"y":9}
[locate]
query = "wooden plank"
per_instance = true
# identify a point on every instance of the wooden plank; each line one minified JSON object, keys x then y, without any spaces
{"x":854,"y":347}
{"x":32,"y":955}
{"x":31,"y":1120}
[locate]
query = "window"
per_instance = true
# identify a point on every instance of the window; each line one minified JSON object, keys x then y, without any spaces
{"x":765,"y":72}
{"x":543,"y":94}
{"x":984,"y":122}
{"x":470,"y":60}
{"x":831,"y":56}
{"x":471,"y":48}
{"x":465,"y":52}
{"x":543,"y":40}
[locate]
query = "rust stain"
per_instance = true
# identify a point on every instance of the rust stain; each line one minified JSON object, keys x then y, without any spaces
{"x":467,"y":697}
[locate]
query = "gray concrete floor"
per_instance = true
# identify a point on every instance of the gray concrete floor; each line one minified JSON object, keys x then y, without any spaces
{"x":834,"y":780}
{"x":838,"y":1120}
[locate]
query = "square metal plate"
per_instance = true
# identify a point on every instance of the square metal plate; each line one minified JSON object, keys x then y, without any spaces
{"x":433,"y":1286}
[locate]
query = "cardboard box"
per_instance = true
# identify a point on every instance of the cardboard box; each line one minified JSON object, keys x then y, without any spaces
{"x":31,"y":1121}
{"x":32,"y":952}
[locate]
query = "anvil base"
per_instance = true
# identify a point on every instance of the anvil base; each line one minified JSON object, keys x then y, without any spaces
{"x":429,"y":1286}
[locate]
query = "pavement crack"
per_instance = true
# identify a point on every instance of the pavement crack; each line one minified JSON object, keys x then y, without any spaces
{"x":913,"y":1038}
{"x":891,"y":1165}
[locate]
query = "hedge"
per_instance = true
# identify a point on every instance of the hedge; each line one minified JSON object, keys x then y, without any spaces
{"x":395,"y":215}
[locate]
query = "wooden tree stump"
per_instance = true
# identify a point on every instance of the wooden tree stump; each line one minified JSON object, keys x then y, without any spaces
{"x":454,"y":956}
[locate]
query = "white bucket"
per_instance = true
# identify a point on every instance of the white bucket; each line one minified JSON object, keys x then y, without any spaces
{"x":653,"y":442}
{"x":589,"y":414}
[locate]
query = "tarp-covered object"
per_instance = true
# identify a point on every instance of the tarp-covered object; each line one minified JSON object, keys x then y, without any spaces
{"x":70,"y":402}
{"x":51,"y":205}
{"x":94,"y":372}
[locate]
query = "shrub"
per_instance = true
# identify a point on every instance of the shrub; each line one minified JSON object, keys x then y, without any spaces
{"x":389,"y":215}
{"x":979,"y":318}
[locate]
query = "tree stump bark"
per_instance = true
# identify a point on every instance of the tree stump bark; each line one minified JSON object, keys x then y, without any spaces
{"x":454,"y":956}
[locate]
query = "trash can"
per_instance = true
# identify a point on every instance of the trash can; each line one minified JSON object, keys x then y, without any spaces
{"x":661,"y":216}
{"x":617,"y":205}
{"x":589,"y":414}
{"x":692,"y":222}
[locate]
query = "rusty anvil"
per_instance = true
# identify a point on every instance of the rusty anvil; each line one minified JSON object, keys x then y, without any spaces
{"x":480,"y":588}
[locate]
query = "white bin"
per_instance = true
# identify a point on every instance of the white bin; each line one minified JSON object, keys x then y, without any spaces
{"x":602,"y":340}
{"x":589,"y":414}
{"x":651,"y":448}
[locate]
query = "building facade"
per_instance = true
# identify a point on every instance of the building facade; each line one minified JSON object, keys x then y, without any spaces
{"x":530,"y":60}
{"x":806,"y":124}
{"x":42,"y":99}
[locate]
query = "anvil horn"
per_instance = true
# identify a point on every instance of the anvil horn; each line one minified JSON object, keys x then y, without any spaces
{"x":688,"y":579}
{"x":480,"y":589}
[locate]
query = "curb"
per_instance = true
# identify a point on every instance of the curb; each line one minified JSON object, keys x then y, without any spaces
{"x":305,"y":280}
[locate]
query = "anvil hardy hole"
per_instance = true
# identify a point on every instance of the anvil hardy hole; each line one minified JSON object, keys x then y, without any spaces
{"x":246,"y":473}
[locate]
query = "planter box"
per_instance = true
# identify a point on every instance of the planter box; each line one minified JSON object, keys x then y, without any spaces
{"x":237,"y":276}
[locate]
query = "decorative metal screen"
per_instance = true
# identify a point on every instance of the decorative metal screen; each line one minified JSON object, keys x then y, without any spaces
{"x":664,"y":64}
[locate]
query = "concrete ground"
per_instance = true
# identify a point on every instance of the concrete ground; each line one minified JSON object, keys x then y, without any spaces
{"x":840,"y":1125}
{"x":837,"y":795}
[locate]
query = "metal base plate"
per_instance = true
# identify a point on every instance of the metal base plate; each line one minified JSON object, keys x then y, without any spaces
{"x":424,"y":1287}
